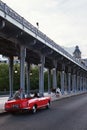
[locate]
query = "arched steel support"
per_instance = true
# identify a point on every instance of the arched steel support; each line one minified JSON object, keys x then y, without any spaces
{"x":2,"y":24}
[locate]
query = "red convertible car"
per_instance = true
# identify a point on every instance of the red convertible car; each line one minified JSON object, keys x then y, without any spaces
{"x":29,"y":104}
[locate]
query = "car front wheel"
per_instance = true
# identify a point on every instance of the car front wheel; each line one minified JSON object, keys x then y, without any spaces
{"x":34,"y":109}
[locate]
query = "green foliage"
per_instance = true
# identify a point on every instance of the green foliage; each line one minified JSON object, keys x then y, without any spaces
{"x":45,"y":80}
{"x":34,"y":78}
{"x":4,"y":77}
{"x":16,"y":80}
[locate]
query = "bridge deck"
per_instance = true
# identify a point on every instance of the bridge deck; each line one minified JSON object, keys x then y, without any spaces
{"x":15,"y":31}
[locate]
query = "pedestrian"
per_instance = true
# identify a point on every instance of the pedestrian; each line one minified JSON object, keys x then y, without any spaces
{"x":17,"y":94}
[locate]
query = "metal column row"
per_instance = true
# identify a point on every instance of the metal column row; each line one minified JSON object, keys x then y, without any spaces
{"x":74,"y":82}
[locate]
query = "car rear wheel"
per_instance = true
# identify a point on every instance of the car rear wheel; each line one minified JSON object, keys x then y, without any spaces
{"x":14,"y":113}
{"x":48,"y":105}
{"x":34,"y":109}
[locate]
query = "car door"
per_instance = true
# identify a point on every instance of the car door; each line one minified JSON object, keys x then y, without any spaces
{"x":42,"y":101}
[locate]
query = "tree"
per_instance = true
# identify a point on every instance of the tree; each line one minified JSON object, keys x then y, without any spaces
{"x":4,"y":77}
{"x":16,"y":76}
{"x":34,"y":78}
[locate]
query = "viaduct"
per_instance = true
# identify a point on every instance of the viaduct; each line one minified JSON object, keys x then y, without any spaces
{"x":20,"y":38}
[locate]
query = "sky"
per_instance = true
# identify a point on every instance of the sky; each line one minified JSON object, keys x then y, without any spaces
{"x":64,"y":21}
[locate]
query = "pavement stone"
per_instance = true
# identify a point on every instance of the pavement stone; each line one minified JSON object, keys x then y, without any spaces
{"x":2,"y":102}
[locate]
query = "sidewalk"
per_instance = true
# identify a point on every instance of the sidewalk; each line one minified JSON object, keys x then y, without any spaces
{"x":3,"y":99}
{"x":2,"y":102}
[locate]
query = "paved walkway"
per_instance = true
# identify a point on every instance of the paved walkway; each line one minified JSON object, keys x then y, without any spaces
{"x":2,"y":102}
{"x":54,"y":97}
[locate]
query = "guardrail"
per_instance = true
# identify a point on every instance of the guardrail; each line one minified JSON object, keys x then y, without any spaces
{"x":7,"y":10}
{"x":3,"y":93}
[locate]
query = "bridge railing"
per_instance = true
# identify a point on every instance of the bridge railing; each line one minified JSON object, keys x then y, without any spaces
{"x":7,"y":10}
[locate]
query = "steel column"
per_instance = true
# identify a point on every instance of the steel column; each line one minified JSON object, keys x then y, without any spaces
{"x":62,"y":82}
{"x":77,"y":81}
{"x":69,"y":79}
{"x":28,"y":78}
{"x":80,"y":83}
{"x":41,"y":76}
{"x":86,"y":84}
{"x":66,"y":82}
{"x":73,"y":82}
{"x":49,"y":81}
{"x":83,"y":84}
{"x":63,"y":78}
{"x":69,"y":82}
{"x":55,"y":74}
{"x":11,"y":75}
{"x":54,"y":78}
{"x":22,"y":70}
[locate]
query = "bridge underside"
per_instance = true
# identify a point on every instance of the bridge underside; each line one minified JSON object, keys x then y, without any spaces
{"x":27,"y":45}
{"x":11,"y":38}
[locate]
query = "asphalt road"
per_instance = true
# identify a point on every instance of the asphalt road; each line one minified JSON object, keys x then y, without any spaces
{"x":66,"y":114}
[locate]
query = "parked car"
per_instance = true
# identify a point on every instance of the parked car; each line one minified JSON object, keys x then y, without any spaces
{"x":30,"y":104}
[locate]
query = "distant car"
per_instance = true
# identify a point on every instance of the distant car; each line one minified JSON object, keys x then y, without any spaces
{"x":29,"y":104}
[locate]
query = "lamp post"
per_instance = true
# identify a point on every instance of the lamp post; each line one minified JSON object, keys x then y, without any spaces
{"x":16,"y":71}
{"x":37,"y":25}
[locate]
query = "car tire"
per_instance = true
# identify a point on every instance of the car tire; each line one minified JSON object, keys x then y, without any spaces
{"x":48,"y":105}
{"x":34,"y":109}
{"x":13,"y":113}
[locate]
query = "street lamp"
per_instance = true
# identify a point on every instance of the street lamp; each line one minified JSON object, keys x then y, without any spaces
{"x":30,"y":74}
{"x":16,"y":71}
{"x":37,"y":25}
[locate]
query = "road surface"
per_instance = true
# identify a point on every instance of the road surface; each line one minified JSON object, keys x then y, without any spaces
{"x":65,"y":114}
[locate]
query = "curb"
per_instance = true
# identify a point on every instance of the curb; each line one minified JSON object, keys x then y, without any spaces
{"x":67,"y":96}
{"x":2,"y":112}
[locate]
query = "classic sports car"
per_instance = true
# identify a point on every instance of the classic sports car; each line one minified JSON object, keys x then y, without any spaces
{"x":31,"y":103}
